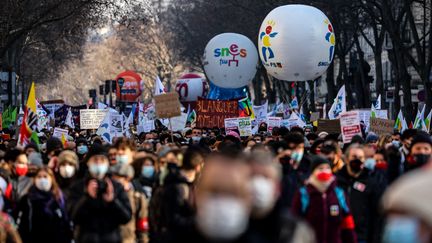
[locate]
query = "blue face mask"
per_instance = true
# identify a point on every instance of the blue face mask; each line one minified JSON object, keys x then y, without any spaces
{"x":297,"y":156}
{"x":98,"y":170}
{"x":401,"y":229}
{"x":148,"y":171}
{"x":122,"y":159}
{"x":396,"y":143}
{"x":370,"y":164}
{"x":83,"y":149}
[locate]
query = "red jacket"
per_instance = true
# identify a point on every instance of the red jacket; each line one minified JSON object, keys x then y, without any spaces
{"x":331,"y":223}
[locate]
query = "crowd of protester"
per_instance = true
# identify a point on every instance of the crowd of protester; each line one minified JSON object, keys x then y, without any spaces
{"x":200,"y":185}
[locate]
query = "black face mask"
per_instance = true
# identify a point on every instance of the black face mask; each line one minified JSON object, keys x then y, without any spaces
{"x":356,"y":165}
{"x":421,"y":159}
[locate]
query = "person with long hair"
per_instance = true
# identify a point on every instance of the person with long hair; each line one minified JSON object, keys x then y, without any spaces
{"x":42,"y":213}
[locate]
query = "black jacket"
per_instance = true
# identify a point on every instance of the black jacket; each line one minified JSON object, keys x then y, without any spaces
{"x":42,"y":218}
{"x":175,"y":208}
{"x":364,"y":194}
{"x":95,"y":220}
{"x":293,"y":179}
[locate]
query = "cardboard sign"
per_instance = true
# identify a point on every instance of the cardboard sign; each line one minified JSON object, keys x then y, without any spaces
{"x":381,"y":126}
{"x":314,"y":116}
{"x":91,"y":118}
{"x":365,"y":115}
{"x":350,"y":125}
{"x":329,"y":126}
{"x":58,"y":132}
{"x":167,"y":105}
{"x":273,"y":122}
{"x":212,"y":113}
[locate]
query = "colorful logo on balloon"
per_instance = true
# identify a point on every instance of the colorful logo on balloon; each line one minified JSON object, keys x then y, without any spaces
{"x":229,"y":54}
{"x":330,"y":38}
{"x":266,"y":50}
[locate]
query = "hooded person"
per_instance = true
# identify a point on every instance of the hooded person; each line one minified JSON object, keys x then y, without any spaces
{"x":42,"y":212}
{"x":67,"y":168}
{"x":419,"y":153}
{"x":98,"y":205}
{"x":324,"y":205}
{"x":408,"y":210}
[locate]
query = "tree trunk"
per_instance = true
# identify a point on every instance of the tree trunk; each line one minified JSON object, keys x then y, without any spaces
{"x":331,"y":89}
{"x":379,"y":82}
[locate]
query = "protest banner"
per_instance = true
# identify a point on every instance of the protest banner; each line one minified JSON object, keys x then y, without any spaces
{"x":167,"y":105}
{"x":231,"y":124}
{"x":273,"y":122}
{"x":178,"y":123}
{"x":350,"y":125}
{"x":365,"y":115}
{"x":212,"y":113}
{"x":116,"y":125}
{"x":260,"y":113}
{"x":91,"y":118}
{"x":381,"y":126}
{"x":58,"y":132}
{"x":329,"y":126}
{"x":245,"y":126}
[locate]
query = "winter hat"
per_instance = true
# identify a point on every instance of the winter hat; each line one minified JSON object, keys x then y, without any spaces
{"x":35,"y":159}
{"x":421,"y":137}
{"x":164,"y":151}
{"x":68,"y":156}
{"x":371,"y":138}
{"x":96,"y":149}
{"x":404,"y":194}
{"x":317,"y":161}
{"x":234,"y":134}
{"x":123,"y":170}
{"x":53,"y":144}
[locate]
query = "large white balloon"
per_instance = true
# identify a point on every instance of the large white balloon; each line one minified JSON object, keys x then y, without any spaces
{"x":296,"y":42}
{"x":190,"y":87}
{"x":230,"y":60}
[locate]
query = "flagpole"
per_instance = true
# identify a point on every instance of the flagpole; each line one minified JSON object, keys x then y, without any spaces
{"x":171,"y":131}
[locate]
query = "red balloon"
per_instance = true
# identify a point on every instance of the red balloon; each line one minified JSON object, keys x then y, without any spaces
{"x":128,"y":86}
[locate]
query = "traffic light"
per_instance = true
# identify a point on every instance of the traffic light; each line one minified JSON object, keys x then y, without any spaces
{"x":102,"y":90}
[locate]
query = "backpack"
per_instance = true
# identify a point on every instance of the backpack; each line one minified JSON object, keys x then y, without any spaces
{"x":304,"y":199}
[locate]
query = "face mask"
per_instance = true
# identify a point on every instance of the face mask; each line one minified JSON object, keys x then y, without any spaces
{"x":421,"y":159}
{"x":324,"y":176}
{"x":402,"y":229}
{"x":356,"y":165}
{"x":370,"y":164}
{"x":263,"y":193}
{"x":297,"y":156}
{"x":82,"y":149}
{"x":122,"y":159}
{"x":396,"y":143}
{"x":67,"y":171}
{"x":21,"y":169}
{"x":43,"y":184}
{"x":222,"y":218}
{"x":98,"y":170}
{"x":147,"y":171}
{"x":196,"y":139}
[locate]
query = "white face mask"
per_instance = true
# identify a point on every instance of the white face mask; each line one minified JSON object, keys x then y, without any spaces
{"x":67,"y":171}
{"x":43,"y":184}
{"x":223,"y":218}
{"x":263,"y":194}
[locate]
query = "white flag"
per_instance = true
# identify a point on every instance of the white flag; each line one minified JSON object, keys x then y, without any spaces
{"x":378,"y":103}
{"x":339,"y":104}
{"x":159,"y":88}
{"x":69,"y":119}
{"x":104,"y":129}
{"x":419,"y":120}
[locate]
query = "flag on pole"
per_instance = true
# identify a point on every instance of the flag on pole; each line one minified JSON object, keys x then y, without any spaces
{"x":399,"y":121}
{"x":245,"y":108}
{"x":419,"y":119}
{"x":294,"y":103}
{"x":324,"y":111}
{"x":29,"y":119}
{"x":373,"y":111}
{"x":339,"y":104}
{"x":129,"y":121}
{"x":159,"y":88}
{"x":378,"y":103}
{"x":404,"y":125}
{"x":428,"y":121}
{"x":69,"y":119}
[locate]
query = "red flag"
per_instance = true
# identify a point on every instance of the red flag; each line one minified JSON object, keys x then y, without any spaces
{"x":410,"y":125}
{"x":25,"y":130}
